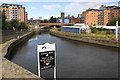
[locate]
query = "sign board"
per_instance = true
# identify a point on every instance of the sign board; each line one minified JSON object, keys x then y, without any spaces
{"x":46,"y":57}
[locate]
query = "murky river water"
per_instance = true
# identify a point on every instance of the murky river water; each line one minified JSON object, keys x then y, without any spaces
{"x":74,"y":59}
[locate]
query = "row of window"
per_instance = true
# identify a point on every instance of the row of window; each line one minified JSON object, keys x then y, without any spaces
{"x":14,"y":8}
{"x":14,"y":17}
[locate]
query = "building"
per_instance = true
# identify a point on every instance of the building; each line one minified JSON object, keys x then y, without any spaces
{"x":115,"y":13}
{"x":40,"y":18}
{"x":63,"y":19}
{"x":100,"y":16}
{"x":119,"y":3}
{"x":77,"y":28}
{"x":13,"y":11}
{"x":106,"y":16}
{"x":90,"y":17}
{"x":26,"y":17}
{"x":67,"y":19}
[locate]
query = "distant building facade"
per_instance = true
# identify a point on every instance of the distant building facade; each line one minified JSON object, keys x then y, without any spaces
{"x":119,"y":3}
{"x":67,"y":19}
{"x":13,"y":11}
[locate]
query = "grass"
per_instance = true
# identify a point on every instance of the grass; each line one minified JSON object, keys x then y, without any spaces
{"x":101,"y":36}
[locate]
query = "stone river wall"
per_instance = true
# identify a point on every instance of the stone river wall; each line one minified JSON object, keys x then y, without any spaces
{"x":11,"y":70}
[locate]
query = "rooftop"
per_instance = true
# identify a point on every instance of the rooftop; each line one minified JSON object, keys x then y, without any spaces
{"x":11,"y":4}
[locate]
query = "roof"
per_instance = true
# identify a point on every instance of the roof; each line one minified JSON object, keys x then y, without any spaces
{"x":92,"y":9}
{"x":11,"y":4}
{"x":83,"y":27}
{"x":117,"y":8}
{"x":107,"y":27}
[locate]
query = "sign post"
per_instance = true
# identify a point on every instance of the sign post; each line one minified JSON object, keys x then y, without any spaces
{"x":46,"y":54}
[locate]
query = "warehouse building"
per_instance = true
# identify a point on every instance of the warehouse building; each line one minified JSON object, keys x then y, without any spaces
{"x":77,"y":28}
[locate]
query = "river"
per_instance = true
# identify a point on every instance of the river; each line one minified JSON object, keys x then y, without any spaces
{"x":74,"y":59}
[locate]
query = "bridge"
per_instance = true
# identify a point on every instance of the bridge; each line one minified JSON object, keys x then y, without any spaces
{"x":46,"y":25}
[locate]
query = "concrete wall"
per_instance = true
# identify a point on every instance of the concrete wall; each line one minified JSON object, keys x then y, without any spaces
{"x":16,"y":44}
{"x":10,"y":34}
{"x":11,"y":70}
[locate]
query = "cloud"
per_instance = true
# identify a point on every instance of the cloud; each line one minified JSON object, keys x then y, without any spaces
{"x":6,"y":1}
{"x":81,"y":6}
{"x":48,"y":16}
{"x":33,"y":7}
{"x":51,"y":7}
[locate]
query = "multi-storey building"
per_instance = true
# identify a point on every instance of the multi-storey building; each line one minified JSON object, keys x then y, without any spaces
{"x":100,"y":16}
{"x":13,"y":11}
{"x":26,"y":17}
{"x":115,"y":13}
{"x":90,"y":17}
{"x":106,"y":16}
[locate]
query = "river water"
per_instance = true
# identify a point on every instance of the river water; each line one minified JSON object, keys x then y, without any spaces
{"x":74,"y":59}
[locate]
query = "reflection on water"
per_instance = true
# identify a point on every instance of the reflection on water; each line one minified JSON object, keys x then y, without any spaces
{"x":74,"y":59}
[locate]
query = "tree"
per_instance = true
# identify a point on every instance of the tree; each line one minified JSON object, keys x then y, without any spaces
{"x":45,"y":21}
{"x":23,"y":25}
{"x":113,"y":22}
{"x":8,"y":25}
{"x":52,"y":20}
{"x":70,"y":24}
{"x":3,"y":20}
{"x":14,"y":23}
{"x":100,"y":29}
{"x":94,"y":30}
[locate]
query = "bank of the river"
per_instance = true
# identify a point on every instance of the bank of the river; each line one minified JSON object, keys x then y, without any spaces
{"x":84,"y":38}
{"x":10,"y":69}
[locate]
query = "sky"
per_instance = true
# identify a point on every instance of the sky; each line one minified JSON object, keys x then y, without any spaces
{"x":47,"y":9}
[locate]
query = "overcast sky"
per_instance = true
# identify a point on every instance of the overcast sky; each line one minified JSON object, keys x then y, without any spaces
{"x":47,"y":9}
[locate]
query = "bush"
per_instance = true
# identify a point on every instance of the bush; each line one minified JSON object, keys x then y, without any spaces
{"x":59,"y":29}
{"x":90,"y":26}
{"x":113,"y":22}
{"x":100,"y":29}
{"x":70,"y":25}
{"x":109,"y":32}
{"x":94,"y":30}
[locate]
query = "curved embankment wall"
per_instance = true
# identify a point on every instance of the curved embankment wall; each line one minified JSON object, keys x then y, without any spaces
{"x":13,"y":46}
{"x":11,"y":70}
{"x":88,"y":40}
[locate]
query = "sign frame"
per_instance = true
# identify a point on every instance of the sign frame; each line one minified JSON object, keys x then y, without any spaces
{"x":43,"y":48}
